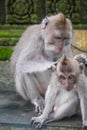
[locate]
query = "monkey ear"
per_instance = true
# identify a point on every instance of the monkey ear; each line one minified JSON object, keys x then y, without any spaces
{"x":45,"y":22}
{"x":82,"y":67}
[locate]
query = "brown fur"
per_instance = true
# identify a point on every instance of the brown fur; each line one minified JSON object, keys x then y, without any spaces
{"x":59,"y":21}
{"x":65,"y":65}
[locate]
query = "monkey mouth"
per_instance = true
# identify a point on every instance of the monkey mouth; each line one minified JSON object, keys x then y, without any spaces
{"x":68,"y":89}
{"x":56,"y":53}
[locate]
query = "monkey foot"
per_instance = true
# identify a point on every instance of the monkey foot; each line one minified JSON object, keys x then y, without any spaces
{"x":36,"y":122}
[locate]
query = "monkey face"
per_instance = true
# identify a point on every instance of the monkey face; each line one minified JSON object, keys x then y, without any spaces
{"x":68,"y":71}
{"x":56,"y":41}
{"x":57,"y":33}
{"x":68,"y":80}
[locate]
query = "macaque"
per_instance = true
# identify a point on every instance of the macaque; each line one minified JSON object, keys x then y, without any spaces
{"x":37,"y":50}
{"x":66,"y":93}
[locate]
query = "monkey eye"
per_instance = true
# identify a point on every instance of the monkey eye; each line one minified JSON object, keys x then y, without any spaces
{"x":71,"y":77}
{"x":61,"y":77}
{"x":50,"y":43}
{"x":66,"y":38}
{"x":62,"y":38}
{"x":58,"y":38}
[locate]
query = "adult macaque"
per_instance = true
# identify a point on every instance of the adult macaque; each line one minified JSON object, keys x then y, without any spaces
{"x":67,"y":88}
{"x":37,"y":50}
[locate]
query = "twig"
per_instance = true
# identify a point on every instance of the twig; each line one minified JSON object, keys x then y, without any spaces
{"x":85,"y":51}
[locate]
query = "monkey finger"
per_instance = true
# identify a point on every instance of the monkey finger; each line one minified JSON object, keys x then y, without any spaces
{"x":34,"y":123}
{"x":41,"y":107}
{"x":32,"y":120}
{"x":37,"y":109}
{"x":38,"y":125}
{"x":40,"y":112}
{"x":80,"y":55}
{"x":81,"y":60}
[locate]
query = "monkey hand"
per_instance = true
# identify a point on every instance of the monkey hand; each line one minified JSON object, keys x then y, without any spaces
{"x":53,"y":67}
{"x":81,"y":58}
{"x":39,"y":105}
{"x":37,"y":122}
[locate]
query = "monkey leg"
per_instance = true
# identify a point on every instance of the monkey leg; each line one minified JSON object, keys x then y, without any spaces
{"x":69,"y":108}
{"x":29,"y":88}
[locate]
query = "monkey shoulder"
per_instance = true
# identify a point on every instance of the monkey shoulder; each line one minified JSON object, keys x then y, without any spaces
{"x":32,"y":32}
{"x":33,"y":28}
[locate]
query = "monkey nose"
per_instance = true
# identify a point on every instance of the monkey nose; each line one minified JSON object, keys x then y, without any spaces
{"x":67,"y":87}
{"x":59,"y":48}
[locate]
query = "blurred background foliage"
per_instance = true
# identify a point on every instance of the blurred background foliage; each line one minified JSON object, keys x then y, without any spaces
{"x":16,"y":15}
{"x":33,"y":11}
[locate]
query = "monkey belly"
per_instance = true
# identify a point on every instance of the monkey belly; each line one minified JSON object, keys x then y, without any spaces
{"x":65,"y":96}
{"x":43,"y":79}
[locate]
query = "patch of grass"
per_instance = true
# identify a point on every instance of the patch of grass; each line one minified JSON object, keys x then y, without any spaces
{"x":11,"y":30}
{"x":5,"y":53}
{"x":11,"y":33}
{"x":8,"y":41}
{"x":13,"y":26}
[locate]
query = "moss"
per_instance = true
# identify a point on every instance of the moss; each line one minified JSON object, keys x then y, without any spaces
{"x":5,"y":53}
{"x":62,"y":6}
{"x":34,"y":18}
{"x":39,"y":10}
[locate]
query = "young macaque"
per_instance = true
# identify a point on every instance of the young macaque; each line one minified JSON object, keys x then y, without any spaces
{"x":37,"y":50}
{"x":67,"y":88}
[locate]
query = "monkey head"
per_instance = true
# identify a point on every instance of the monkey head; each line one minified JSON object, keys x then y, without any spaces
{"x":56,"y":33}
{"x":68,"y":71}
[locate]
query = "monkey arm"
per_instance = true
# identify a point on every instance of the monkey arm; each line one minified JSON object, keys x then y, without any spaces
{"x":83,"y":105}
{"x":37,"y":66}
{"x":31,"y":64}
{"x":50,"y":97}
{"x":82,"y":92}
